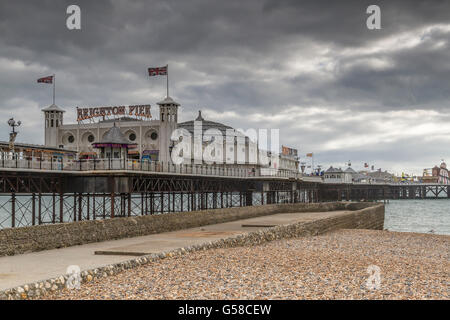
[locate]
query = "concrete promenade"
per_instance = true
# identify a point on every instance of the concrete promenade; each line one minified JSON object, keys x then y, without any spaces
{"x":32,"y":267}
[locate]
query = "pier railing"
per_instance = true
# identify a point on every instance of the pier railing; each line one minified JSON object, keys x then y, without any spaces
{"x":247,"y":171}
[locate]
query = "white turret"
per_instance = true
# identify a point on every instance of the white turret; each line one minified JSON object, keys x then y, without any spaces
{"x":168,"y":116}
{"x":53,"y":118}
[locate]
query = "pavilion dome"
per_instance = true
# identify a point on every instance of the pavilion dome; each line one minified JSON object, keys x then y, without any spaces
{"x":53,"y":107}
{"x":333,"y":170}
{"x":113,"y":137}
{"x":168,"y":100}
{"x":350,"y":170}
{"x":206,"y":124}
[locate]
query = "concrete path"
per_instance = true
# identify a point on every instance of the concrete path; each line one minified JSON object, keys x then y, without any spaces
{"x":31,"y":267}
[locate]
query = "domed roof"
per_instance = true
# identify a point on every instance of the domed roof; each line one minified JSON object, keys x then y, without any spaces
{"x":53,"y":107}
{"x":199,"y":118}
{"x":333,"y":170}
{"x":206,"y":124}
{"x":168,"y":100}
{"x":350,"y":170}
{"x":113,"y":136}
{"x":443,"y":165}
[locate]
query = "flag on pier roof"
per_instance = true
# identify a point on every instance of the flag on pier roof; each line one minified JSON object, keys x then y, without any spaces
{"x":158,"y":71}
{"x":309,"y":155}
{"x":48,"y":79}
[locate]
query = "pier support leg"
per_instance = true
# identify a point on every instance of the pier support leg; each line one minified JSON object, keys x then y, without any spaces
{"x":248,"y":198}
{"x":80,"y":208}
{"x":13,"y":210}
{"x":33,"y":209}
{"x":40,"y":209}
{"x":53,"y":208}
{"x":129,"y":204}
{"x":113,"y":200}
{"x":61,"y":208}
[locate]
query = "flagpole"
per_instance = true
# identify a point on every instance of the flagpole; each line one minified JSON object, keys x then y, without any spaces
{"x":54,"y":84}
{"x":167,"y":66}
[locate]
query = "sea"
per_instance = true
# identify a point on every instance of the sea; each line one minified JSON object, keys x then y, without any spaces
{"x":424,"y":216}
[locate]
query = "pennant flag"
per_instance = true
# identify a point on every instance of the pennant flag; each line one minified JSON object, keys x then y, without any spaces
{"x":289,"y":151}
{"x":48,"y":79}
{"x":309,"y":155}
{"x":160,"y":71}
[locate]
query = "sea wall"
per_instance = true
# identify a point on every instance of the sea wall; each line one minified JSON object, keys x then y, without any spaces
{"x":364,"y":216}
{"x":28,"y":239}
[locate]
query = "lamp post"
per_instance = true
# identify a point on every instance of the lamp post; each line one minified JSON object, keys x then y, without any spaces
{"x":12,"y":135}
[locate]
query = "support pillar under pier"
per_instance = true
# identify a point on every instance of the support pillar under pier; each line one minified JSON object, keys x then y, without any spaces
{"x":248,"y":198}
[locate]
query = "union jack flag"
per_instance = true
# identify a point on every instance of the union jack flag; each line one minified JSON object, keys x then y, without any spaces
{"x":48,"y":79}
{"x":161,"y":71}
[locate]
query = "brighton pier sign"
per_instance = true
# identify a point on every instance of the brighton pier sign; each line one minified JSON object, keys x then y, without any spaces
{"x":135,"y":110}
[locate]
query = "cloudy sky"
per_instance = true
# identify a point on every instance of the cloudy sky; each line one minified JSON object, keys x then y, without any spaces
{"x":310,"y":68}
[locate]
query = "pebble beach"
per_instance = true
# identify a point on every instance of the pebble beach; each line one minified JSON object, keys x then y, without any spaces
{"x":330,"y":266}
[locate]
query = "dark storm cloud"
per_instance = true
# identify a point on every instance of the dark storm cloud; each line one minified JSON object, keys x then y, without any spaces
{"x":252,"y":58}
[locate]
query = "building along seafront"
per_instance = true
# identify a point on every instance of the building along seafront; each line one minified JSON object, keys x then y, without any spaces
{"x":337,"y":175}
{"x":439,"y":175}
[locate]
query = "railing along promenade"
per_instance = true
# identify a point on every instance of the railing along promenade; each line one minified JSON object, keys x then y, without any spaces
{"x":236,"y":171}
{"x":36,"y":191}
{"x":33,"y":191}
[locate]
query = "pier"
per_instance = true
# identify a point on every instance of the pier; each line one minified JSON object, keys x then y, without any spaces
{"x":388,"y":191}
{"x":35,"y":192}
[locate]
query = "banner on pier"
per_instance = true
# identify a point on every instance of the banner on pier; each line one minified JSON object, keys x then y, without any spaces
{"x":289,"y":151}
{"x":137,"y":111}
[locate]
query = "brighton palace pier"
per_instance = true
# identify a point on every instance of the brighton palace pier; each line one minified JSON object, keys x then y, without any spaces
{"x":120,"y":165}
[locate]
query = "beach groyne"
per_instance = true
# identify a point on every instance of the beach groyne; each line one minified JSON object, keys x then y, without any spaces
{"x":52,"y":236}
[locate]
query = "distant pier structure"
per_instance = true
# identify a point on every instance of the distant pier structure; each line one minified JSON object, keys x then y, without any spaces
{"x":394,"y":191}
